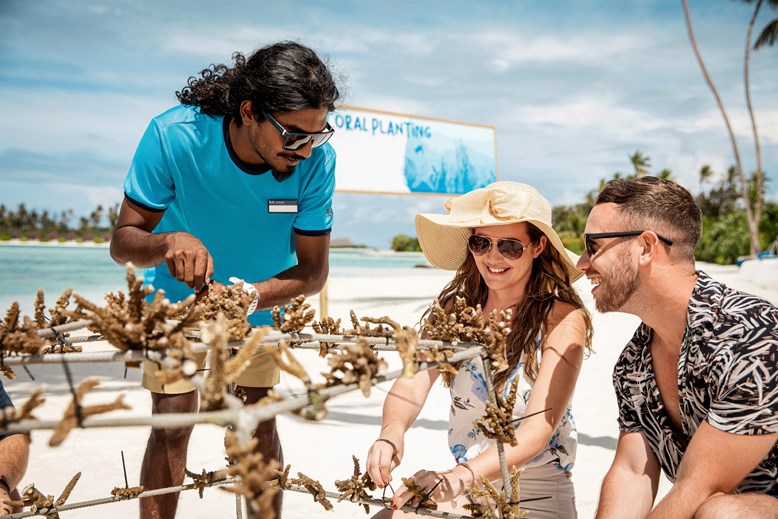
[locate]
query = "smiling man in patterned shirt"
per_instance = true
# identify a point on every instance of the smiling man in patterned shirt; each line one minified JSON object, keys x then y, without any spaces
{"x":697,"y":385}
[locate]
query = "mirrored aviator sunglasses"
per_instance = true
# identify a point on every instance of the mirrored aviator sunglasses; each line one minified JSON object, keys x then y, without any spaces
{"x":509,"y":248}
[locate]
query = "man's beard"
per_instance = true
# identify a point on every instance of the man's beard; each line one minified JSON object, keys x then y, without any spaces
{"x":280,"y":176}
{"x":617,"y":287}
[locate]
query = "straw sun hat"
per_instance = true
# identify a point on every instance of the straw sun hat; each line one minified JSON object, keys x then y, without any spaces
{"x":443,"y":237}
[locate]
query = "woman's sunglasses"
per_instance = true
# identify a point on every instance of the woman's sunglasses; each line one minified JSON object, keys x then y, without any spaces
{"x":509,"y":248}
{"x":296,"y":140}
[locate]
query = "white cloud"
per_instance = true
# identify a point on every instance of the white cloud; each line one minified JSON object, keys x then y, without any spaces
{"x":108,"y":123}
{"x":588,"y":112}
{"x":510,"y":49}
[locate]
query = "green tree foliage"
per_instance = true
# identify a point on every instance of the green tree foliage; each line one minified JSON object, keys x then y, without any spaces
{"x":723,"y":239}
{"x":405,"y":243}
{"x":25,"y":224}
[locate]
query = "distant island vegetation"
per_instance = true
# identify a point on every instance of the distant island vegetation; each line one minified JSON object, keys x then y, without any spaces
{"x":725,"y":234}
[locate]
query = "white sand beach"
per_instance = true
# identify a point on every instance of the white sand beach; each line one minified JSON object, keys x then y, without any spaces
{"x":321,"y":450}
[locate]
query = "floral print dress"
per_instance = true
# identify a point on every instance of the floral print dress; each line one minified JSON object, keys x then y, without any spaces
{"x":468,"y":403}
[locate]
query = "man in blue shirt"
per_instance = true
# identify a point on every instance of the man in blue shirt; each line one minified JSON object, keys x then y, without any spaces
{"x":235,"y":183}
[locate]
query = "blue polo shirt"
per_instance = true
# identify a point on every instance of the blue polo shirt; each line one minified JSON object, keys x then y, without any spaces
{"x":5,"y":401}
{"x":186,"y":167}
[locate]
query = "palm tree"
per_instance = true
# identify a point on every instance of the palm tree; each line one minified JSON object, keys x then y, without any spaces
{"x":752,"y":222}
{"x":96,"y":216}
{"x":113,"y":215}
{"x":706,"y":172}
{"x":767,"y":37}
{"x":769,"y":33}
{"x":640,"y":162}
{"x":666,"y":174}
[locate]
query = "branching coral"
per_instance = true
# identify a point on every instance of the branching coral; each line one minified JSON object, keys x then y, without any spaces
{"x":314,"y":487}
{"x":493,"y":504}
{"x":356,"y":363}
{"x":232,"y":303}
{"x":439,"y":356}
{"x":77,"y":412}
{"x":420,"y":494}
{"x":204,"y":479}
{"x":467,"y":324}
{"x":353,"y":488}
{"x":130,"y":324}
{"x":296,"y":316}
{"x":327,"y":326}
{"x":24,"y":411}
{"x":129,"y":492}
{"x":497,"y":424}
{"x":223,"y":369}
{"x":58,"y":314}
{"x":365,"y":330}
{"x":289,"y":363}
{"x":258,"y":481}
{"x":40,"y":504}
{"x":18,"y":335}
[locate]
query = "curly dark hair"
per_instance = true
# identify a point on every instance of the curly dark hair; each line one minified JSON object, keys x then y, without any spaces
{"x":278,"y":78}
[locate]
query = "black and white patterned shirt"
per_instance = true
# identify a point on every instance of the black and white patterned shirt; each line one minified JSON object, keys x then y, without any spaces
{"x":727,"y":376}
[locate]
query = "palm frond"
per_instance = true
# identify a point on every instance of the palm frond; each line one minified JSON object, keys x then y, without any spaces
{"x":768,"y":35}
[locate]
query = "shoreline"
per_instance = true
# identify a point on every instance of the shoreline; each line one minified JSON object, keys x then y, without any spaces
{"x":15,"y":242}
{"x":367,"y":251}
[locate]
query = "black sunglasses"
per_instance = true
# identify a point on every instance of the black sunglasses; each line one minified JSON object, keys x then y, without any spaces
{"x":591,"y":246}
{"x":509,"y":248}
{"x":296,"y":140}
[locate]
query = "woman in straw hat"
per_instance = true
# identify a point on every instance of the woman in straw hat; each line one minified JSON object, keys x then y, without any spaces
{"x":507,"y":256}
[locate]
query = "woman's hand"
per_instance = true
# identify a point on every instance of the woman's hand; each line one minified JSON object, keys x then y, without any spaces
{"x":441,"y":486}
{"x":383,"y":457}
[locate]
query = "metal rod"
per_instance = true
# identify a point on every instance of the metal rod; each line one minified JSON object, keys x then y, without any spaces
{"x":312,"y":341}
{"x":506,"y":480}
{"x":227,"y":416}
{"x":381,"y":504}
{"x":115,"y":499}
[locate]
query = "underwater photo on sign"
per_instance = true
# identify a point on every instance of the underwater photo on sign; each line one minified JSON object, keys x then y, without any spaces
{"x":380,"y":152}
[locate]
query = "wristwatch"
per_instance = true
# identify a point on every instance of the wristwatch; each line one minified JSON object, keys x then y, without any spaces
{"x":249,"y":289}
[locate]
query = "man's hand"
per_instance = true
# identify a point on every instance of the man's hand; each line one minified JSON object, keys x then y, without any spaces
{"x":188,"y":260}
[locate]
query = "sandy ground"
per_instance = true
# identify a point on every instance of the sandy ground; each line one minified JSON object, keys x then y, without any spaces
{"x":321,"y":450}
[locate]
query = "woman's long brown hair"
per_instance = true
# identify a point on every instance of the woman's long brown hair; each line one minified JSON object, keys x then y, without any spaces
{"x":549,"y":282}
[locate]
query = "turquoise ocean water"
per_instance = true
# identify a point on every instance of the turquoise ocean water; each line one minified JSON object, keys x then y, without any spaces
{"x":91,"y":272}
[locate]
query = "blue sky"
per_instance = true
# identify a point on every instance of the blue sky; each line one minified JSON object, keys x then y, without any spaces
{"x":572,"y":87}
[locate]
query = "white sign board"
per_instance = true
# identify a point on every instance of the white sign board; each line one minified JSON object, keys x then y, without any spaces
{"x":382,"y":152}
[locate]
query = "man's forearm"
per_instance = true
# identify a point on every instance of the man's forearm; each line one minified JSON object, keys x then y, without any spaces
{"x":14,"y":454}
{"x":143,"y":249}
{"x":279,"y":290}
{"x":625,"y":495}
